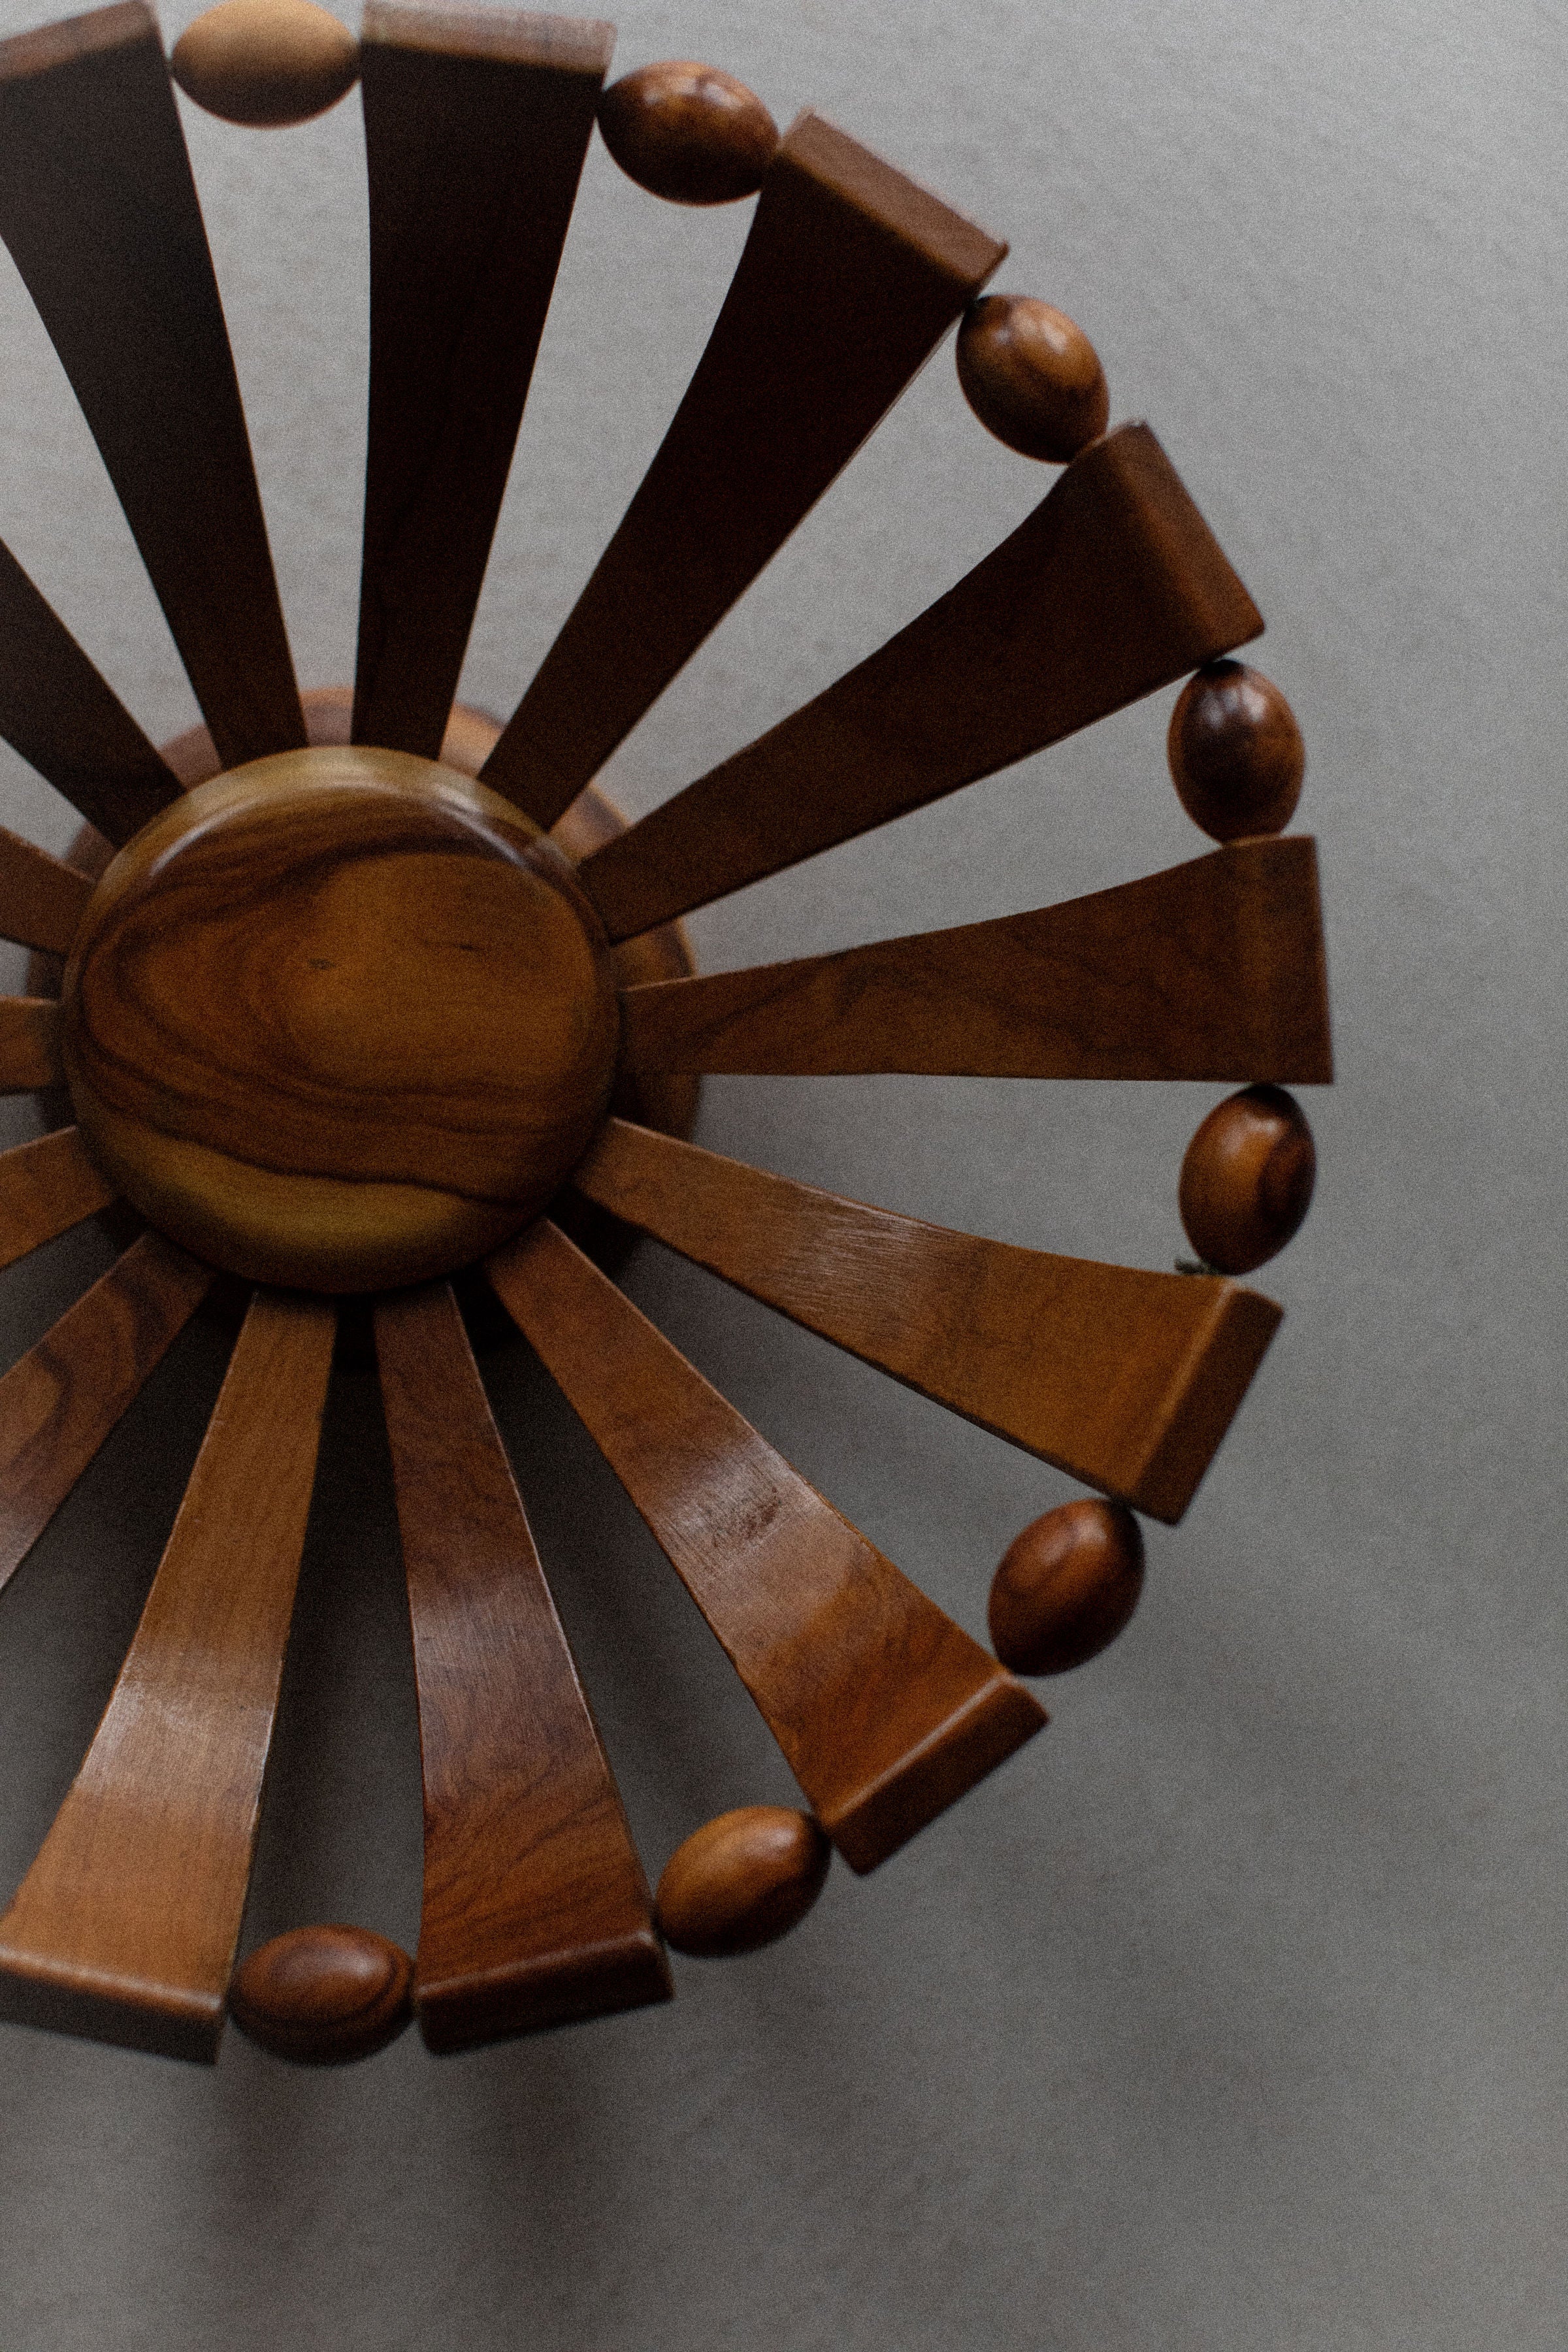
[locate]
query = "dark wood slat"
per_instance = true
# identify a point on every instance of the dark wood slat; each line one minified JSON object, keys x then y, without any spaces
{"x":124,"y":1929}
{"x":99,"y":210}
{"x":45,"y":1189}
{"x":536,"y":1910}
{"x":849,"y":278}
{"x":29,"y":1045}
{"x":1212,"y":970}
{"x":1114,"y":586}
{"x":476,"y":127}
{"x":42,"y":899}
{"x":886,"y":1711}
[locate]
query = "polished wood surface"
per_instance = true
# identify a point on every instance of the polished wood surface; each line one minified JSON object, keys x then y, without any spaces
{"x":1236,"y":752}
{"x":266,"y":63}
{"x":1113,"y":587}
{"x":741,"y":1881}
{"x":125,"y":1927}
{"x":322,"y":1995}
{"x":99,"y":210}
{"x":45,"y":1189}
{"x":42,"y":899}
{"x":1066,"y":1587}
{"x":29,"y":1045}
{"x":340,"y":1019}
{"x":535,"y":1906}
{"x":1248,"y":1179}
{"x":688,"y":132}
{"x":1212,"y":970}
{"x":1032,"y":376}
{"x":475,"y":123}
{"x":850,"y":277}
{"x":886,"y":1712}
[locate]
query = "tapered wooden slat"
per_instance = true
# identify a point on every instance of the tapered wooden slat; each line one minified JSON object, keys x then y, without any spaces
{"x":884,"y":1710}
{"x":99,"y":210}
{"x":850,"y":277}
{"x":61,"y":1402}
{"x":29,"y":1043}
{"x":125,"y":1927}
{"x":536,"y":1910}
{"x":1127,"y":1380}
{"x":45,"y":1189}
{"x":476,"y":125}
{"x":42,"y":899}
{"x":1113,"y":587}
{"x":1212,"y":970}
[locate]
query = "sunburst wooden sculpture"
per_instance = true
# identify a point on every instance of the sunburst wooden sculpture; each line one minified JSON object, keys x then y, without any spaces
{"x":368,"y":984}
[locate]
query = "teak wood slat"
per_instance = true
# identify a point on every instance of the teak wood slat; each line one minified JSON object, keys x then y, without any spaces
{"x":1125,"y":1378}
{"x":476,"y":127}
{"x":98,"y":208}
{"x":124,"y":1929}
{"x":850,"y":277}
{"x":29,"y":1045}
{"x":884,"y":1710}
{"x":1114,"y":586}
{"x":45,"y":1189}
{"x":42,"y":899}
{"x":536,"y":1910}
{"x":1213,"y":970}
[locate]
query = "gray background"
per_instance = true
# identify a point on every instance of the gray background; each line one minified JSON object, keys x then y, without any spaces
{"x":1229,"y":2013}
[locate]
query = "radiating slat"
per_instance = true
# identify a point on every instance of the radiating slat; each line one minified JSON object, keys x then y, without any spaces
{"x":884,"y":1710}
{"x":1212,"y":970}
{"x":42,"y":899}
{"x":850,"y":276}
{"x":125,"y":1927}
{"x":99,"y":210}
{"x":536,"y":1910}
{"x":29,"y":1045}
{"x":1113,"y":587}
{"x":476,"y":125}
{"x":45,"y":1189}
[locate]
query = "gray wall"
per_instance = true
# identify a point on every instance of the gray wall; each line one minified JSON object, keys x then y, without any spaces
{"x":1229,"y":2014}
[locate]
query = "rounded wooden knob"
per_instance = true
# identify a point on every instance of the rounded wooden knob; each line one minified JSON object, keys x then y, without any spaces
{"x":1236,"y":752}
{"x":1247,"y":1178}
{"x":323,"y":1995}
{"x":688,"y":132}
{"x":1032,"y":377}
{"x":266,"y":62}
{"x":1066,"y":1587}
{"x":741,"y":1880}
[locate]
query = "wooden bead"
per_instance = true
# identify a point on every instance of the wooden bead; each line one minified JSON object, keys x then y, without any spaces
{"x":1236,"y":752}
{"x":1247,"y":1178}
{"x":323,"y":1995}
{"x":1032,"y":377}
{"x":1066,"y":1587}
{"x":688,"y":132}
{"x":266,"y":63}
{"x":741,"y":1880}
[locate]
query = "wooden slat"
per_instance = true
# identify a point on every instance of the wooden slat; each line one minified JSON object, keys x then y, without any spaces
{"x":99,"y":210}
{"x":1212,"y":970}
{"x":61,"y":1402}
{"x":42,"y":899}
{"x":1113,"y":587}
{"x":45,"y":1189}
{"x":536,"y":1910}
{"x":125,"y":1927}
{"x":29,"y":1043}
{"x":1126,"y":1380}
{"x":476,"y":125}
{"x":850,"y":276}
{"x":884,"y":1710}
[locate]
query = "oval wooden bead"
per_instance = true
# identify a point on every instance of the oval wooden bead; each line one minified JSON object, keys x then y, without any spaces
{"x":1248,"y":1179}
{"x":688,"y":132}
{"x":1066,"y":1587}
{"x":265,"y":63}
{"x":322,"y":1995}
{"x":1032,"y":377}
{"x":741,"y":1880}
{"x":1236,"y":752}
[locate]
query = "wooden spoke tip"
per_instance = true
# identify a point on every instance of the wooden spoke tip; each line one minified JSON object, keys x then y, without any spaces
{"x":688,"y":132}
{"x":266,"y":63}
{"x":1066,"y":1587}
{"x":1236,"y":752}
{"x":1248,"y":1179}
{"x":322,"y":1995}
{"x":1032,"y":377}
{"x":741,"y":1881}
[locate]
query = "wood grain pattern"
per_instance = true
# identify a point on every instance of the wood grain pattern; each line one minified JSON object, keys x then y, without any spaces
{"x":476,"y":124}
{"x":849,"y":278}
{"x":1113,"y":587}
{"x":743,"y":1880}
{"x":1032,"y":376}
{"x":99,"y":210}
{"x":45,"y":1189}
{"x":1126,"y":1380}
{"x":1247,"y":1178}
{"x":42,"y":899}
{"x":29,"y":1045}
{"x":688,"y":132}
{"x":266,"y":63}
{"x":1236,"y":752}
{"x":886,"y":1712}
{"x":1211,"y":969}
{"x":1066,"y":1587}
{"x":535,"y":1906}
{"x":124,"y":1929}
{"x":323,"y":1996}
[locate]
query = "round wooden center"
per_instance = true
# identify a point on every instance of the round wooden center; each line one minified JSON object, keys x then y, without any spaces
{"x":339,"y":1020}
